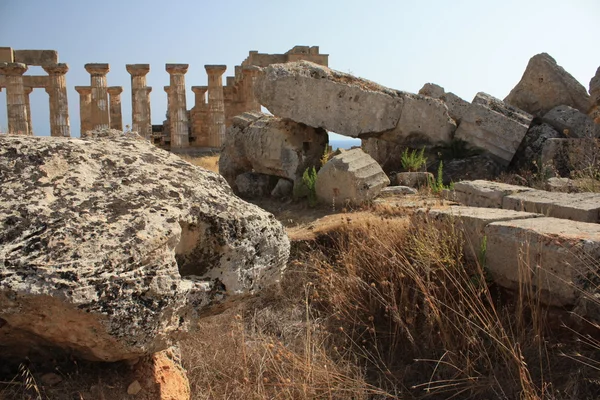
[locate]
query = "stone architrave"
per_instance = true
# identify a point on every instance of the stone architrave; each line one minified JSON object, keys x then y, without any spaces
{"x":100,"y":116}
{"x":216,"y":105}
{"x":15,"y":98}
{"x":85,"y":108}
{"x":116,"y":117}
{"x":27,"y":91}
{"x":178,"y":117}
{"x":140,"y":100}
{"x":250,"y":74}
{"x":198,"y":116}
{"x":59,"y":105}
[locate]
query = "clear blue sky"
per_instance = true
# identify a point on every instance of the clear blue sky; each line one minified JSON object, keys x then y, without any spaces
{"x":466,"y":46}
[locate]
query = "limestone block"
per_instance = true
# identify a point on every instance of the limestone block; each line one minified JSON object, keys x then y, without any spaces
{"x":254,"y":185}
{"x":160,"y":376}
{"x":572,"y":122}
{"x":562,"y":185}
{"x":350,"y":177}
{"x":567,"y":155}
{"x":387,"y":154}
{"x":493,"y":126}
{"x":553,"y":255}
{"x":531,"y":147}
{"x":545,"y":85}
{"x":36,"y":57}
{"x":594,"y":89}
{"x":270,"y":145}
{"x":110,"y":248}
{"x":457,"y":107}
{"x":584,"y":207}
{"x":321,"y":97}
{"x":477,"y":167}
{"x":6,"y":55}
{"x":480,"y":193}
{"x":397,"y":190}
{"x":471,"y":222}
{"x":284,"y":188}
{"x":413,"y":179}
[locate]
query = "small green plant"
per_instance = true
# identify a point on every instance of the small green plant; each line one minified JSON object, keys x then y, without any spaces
{"x":437,"y":185}
{"x":327,"y":154}
{"x":414,"y":160}
{"x":309,"y":179}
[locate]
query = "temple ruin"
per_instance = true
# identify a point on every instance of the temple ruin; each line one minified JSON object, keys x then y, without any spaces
{"x":201,"y":127}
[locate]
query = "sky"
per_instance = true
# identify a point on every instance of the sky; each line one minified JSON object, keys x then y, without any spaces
{"x":466,"y":46}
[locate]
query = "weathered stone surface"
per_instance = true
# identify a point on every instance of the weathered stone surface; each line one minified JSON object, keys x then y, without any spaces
{"x":550,"y":254}
{"x":566,"y":155}
{"x":530,"y":149}
{"x":584,"y":207}
{"x":321,"y":97}
{"x":397,"y":190}
{"x":457,"y":107}
{"x":480,"y":166}
{"x":270,"y":145}
{"x":471,"y":221}
{"x":36,"y":57}
{"x":545,"y":85}
{"x":284,"y":188}
{"x":594,"y":111}
{"x":109,"y":248}
{"x":387,"y":154}
{"x":254,"y":185}
{"x":493,"y":126}
{"x":562,"y":185}
{"x":480,"y":193}
{"x":161,"y":377}
{"x":351,"y":177}
{"x":413,"y":179}
{"x":571,"y":122}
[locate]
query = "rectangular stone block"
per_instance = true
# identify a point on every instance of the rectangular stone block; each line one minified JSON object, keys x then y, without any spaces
{"x":36,"y":57}
{"x":571,"y":154}
{"x":584,"y":207}
{"x":471,"y":221}
{"x":481,"y":193}
{"x":494,"y":126}
{"x":554,"y":257}
{"x":6,"y":54}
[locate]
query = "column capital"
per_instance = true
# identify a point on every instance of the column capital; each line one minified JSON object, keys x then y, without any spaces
{"x":147,"y":89}
{"x":12,"y":68}
{"x":138,"y":69}
{"x":176,"y":69}
{"x":27,"y":90}
{"x":97,"y":69}
{"x":114,"y":90}
{"x":251,"y":70}
{"x":215,"y":69}
{"x":56,"y":69}
{"x":199,"y":89}
{"x":83,"y":90}
{"x":167,"y":88}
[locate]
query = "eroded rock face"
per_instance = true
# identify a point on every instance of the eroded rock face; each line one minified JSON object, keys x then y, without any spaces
{"x":545,"y":85}
{"x":270,"y":145}
{"x":457,"y":107}
{"x":572,"y":123}
{"x":109,"y":248}
{"x":317,"y":96}
{"x":594,"y":111}
{"x":530,"y":149}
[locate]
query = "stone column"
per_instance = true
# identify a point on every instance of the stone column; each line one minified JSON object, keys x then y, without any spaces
{"x":179,"y":125}
{"x":100,"y":116}
{"x":59,"y":105}
{"x":15,"y":98}
{"x":85,"y":108}
{"x":198,"y":113}
{"x":216,"y":105}
{"x":141,"y":121}
{"x":116,"y":117}
{"x":250,"y":74}
{"x":28,"y":91}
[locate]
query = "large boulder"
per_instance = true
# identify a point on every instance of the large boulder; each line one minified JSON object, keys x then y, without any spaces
{"x":571,"y":122}
{"x":529,"y":152}
{"x":350,"y":177}
{"x":321,"y":97}
{"x":270,"y":145}
{"x":545,"y":85}
{"x":569,"y":155}
{"x":457,"y":107}
{"x":594,"y":111}
{"x":494,"y":126}
{"x":110,"y":248}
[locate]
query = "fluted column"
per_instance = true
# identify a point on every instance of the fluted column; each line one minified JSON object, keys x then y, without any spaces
{"x":59,"y":105}
{"x":198,"y":113}
{"x":100,"y":116}
{"x":179,"y":124}
{"x":140,"y":100}
{"x":116,"y":117}
{"x":250,"y":74}
{"x":85,"y":108}
{"x":15,"y":98}
{"x":27,"y":92}
{"x":216,"y":105}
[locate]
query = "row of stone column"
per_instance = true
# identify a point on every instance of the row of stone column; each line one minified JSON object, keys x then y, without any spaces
{"x":17,"y":99}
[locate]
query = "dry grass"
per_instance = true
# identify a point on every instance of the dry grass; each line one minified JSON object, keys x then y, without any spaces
{"x":209,"y":162}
